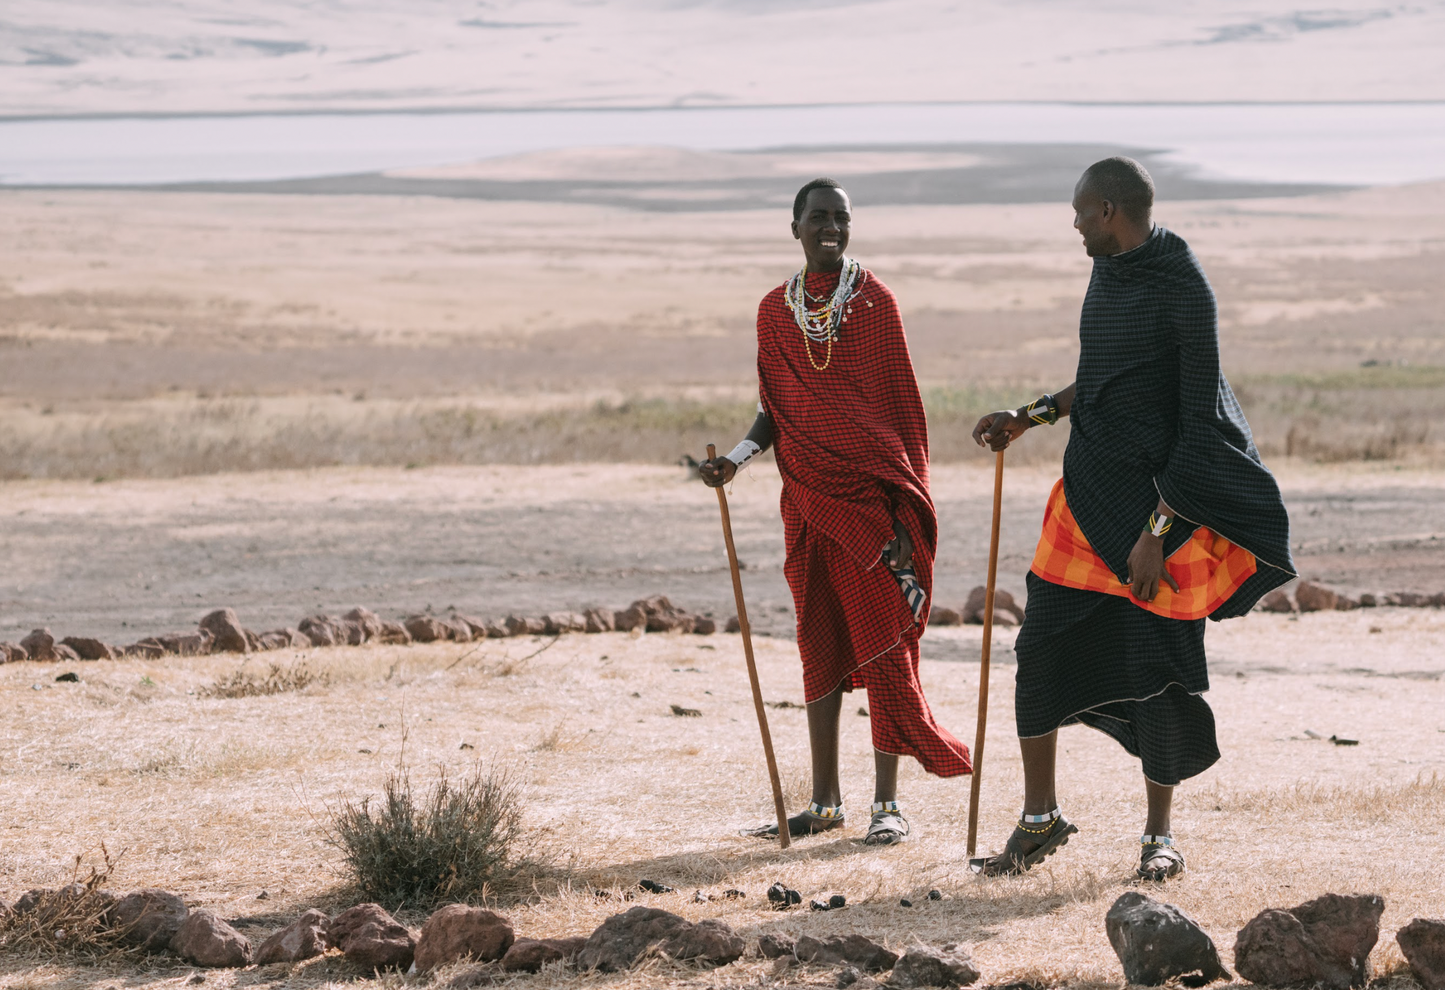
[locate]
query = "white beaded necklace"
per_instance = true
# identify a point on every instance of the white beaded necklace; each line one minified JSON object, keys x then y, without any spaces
{"x":820,"y":325}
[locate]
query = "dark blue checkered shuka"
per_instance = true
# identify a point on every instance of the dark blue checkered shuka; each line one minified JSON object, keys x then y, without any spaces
{"x":1154,"y":417}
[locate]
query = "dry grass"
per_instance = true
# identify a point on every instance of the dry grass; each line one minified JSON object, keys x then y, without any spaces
{"x":221,"y":799}
{"x":243,"y":683}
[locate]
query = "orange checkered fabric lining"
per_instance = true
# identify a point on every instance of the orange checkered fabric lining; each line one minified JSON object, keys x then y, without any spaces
{"x":1208,"y":567}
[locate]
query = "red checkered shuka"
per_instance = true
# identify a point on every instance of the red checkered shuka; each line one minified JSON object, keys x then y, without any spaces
{"x":851,"y":443}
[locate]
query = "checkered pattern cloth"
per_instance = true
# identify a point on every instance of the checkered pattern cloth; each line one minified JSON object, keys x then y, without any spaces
{"x":1153,"y":416}
{"x":1208,"y":568}
{"x":851,"y":443}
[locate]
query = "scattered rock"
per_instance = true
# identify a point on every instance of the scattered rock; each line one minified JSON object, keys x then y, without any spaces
{"x":149,"y":648}
{"x":368,"y":620}
{"x":206,"y":940}
{"x":623,"y":938}
{"x":925,"y":966}
{"x":63,"y":652}
{"x":941,"y":616}
{"x":1422,"y":942}
{"x":837,"y":901}
{"x":598,"y":620}
{"x":783,"y":897}
{"x":1006,"y":611}
{"x":663,"y":616}
{"x":529,"y":955}
{"x":847,"y":976}
{"x":69,"y":677}
{"x":253,"y":640}
{"x":557,"y":623}
{"x":458,"y":932}
{"x":653,"y":887}
{"x":393,"y":634}
{"x":281,"y":639}
{"x":426,"y":629}
{"x":775,"y":946}
{"x":935,"y":895}
{"x":304,"y":938}
{"x":1409,"y":599}
{"x":630,"y":618}
{"x":322,"y":630}
{"x":686,"y":712}
{"x":1313,"y":598}
{"x":13,"y":653}
{"x":148,"y":918}
{"x":182,"y":644}
{"x":90,"y":649}
{"x":857,"y":950}
{"x":371,"y":937}
{"x":904,"y":902}
{"x":458,"y":631}
{"x":497,"y":629}
{"x":704,"y":626}
{"x":227,"y":635}
{"x":817,"y":905}
{"x":732,"y":893}
{"x":1326,"y":941}
{"x":1368,"y":600}
{"x":732,"y":625}
{"x":39,"y":645}
{"x":1157,"y":943}
{"x":1276,"y":601}
{"x":477,"y":627}
{"x":483,"y":975}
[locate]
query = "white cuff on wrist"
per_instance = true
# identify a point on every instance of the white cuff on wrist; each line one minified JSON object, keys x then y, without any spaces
{"x":744,"y":452}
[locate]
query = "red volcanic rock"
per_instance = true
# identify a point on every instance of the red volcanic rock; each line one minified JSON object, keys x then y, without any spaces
{"x":206,"y":940}
{"x":227,"y":634}
{"x":458,"y":932}
{"x":304,"y":938}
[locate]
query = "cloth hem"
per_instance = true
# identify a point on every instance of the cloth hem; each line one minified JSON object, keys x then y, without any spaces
{"x":1115,"y":701}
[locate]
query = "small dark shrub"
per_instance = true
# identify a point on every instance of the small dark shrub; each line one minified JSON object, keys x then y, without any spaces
{"x":453,"y":843}
{"x":277,"y":680}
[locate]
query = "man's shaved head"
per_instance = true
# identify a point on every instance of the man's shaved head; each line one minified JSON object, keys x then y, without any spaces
{"x":1123,"y":182}
{"x":801,"y":200}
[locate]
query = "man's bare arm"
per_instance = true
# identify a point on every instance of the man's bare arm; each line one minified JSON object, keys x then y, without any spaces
{"x":721,"y":469}
{"x":998,"y":429}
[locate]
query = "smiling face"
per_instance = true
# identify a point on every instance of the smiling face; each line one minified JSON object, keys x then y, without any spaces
{"x":823,"y":229}
{"x":1095,"y":218}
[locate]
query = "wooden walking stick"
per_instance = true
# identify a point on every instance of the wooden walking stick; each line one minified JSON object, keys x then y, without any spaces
{"x":722,"y":503}
{"x":983,"y":662}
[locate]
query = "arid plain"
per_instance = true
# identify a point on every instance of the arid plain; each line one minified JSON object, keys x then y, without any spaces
{"x":292,"y":404}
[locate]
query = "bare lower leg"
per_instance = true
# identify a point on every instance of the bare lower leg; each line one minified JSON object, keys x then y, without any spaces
{"x":885,"y":767}
{"x":1039,"y":756}
{"x":823,"y":716}
{"x":1161,"y":801}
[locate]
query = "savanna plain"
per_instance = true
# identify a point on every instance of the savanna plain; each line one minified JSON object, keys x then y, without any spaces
{"x":297,"y":404}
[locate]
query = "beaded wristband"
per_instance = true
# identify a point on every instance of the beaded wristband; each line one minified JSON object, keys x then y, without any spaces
{"x":1044,"y":411}
{"x":1158,"y":525}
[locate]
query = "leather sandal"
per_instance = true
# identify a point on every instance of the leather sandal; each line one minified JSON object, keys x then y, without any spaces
{"x":1050,"y":831}
{"x":887,"y":827}
{"x":1154,"y":848}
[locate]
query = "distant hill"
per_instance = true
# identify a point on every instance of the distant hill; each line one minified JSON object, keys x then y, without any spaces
{"x":208,"y":56}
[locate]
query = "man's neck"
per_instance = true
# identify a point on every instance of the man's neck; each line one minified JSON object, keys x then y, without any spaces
{"x":1135,"y":238}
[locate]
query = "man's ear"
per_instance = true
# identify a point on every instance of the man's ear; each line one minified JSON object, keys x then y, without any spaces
{"x":796,"y":236}
{"x":1108,"y":211}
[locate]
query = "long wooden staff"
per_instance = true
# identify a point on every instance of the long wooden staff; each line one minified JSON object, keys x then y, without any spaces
{"x":983,"y":662}
{"x":722,"y":503}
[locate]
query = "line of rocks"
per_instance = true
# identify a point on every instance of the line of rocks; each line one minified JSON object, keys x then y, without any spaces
{"x":1006,"y":610}
{"x":1323,"y":943}
{"x":1309,"y":597}
{"x":221,"y":632}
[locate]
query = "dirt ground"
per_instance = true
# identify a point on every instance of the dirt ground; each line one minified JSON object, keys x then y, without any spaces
{"x":125,"y":559}
{"x":223,"y":799}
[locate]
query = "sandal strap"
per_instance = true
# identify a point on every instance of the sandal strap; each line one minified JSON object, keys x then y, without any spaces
{"x":881,"y":806}
{"x":825,"y":811}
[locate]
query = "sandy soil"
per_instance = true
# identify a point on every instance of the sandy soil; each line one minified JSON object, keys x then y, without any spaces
{"x":125,"y":559}
{"x":223,"y":799}
{"x":83,"y":56}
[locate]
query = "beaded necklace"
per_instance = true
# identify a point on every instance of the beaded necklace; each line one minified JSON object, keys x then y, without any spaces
{"x":822,"y":324}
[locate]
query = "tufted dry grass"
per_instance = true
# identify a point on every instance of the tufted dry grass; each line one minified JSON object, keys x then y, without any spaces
{"x":223,"y":799}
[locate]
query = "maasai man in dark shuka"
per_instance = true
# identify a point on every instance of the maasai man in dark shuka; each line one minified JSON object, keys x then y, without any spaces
{"x":1164,"y":516}
{"x":841,"y":408}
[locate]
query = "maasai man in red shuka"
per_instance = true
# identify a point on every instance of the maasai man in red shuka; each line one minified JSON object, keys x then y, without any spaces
{"x":840,"y":405}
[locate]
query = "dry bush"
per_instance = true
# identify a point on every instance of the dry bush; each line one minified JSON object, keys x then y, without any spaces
{"x":72,"y":919}
{"x":456,"y":842}
{"x":243,"y":683}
